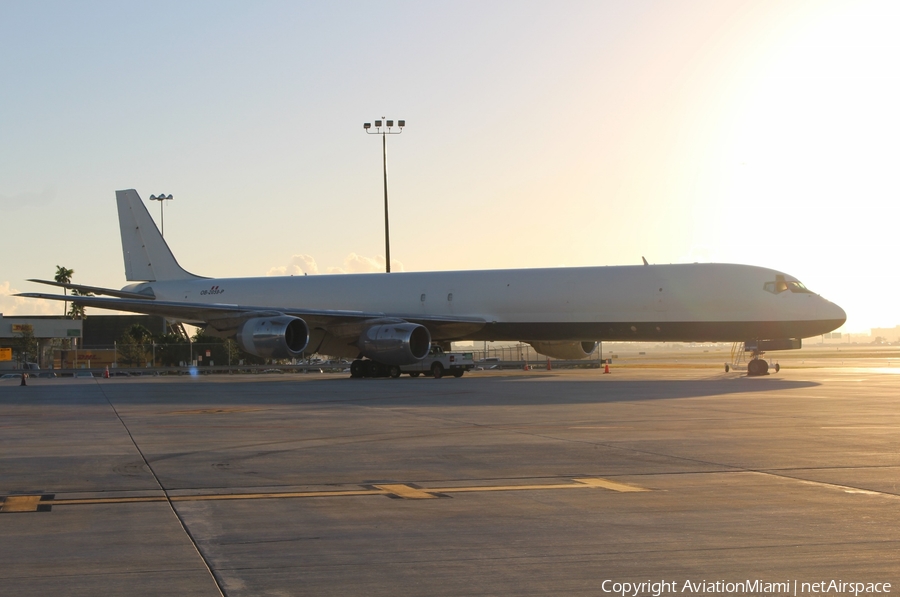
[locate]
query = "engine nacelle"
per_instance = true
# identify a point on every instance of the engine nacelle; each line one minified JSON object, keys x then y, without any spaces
{"x":399,"y":343}
{"x":279,"y":337}
{"x":568,"y":351}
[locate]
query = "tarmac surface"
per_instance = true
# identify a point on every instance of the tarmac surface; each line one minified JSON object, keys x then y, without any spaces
{"x":499,"y":483}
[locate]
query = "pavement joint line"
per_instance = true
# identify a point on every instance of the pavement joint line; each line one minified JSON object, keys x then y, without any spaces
{"x":845,"y":488}
{"x":35,"y":503}
{"x":209,"y":569}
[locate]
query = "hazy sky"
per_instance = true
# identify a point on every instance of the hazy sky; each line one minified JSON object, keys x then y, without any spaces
{"x":539,"y":134}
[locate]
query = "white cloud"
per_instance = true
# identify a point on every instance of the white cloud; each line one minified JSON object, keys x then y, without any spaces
{"x":359,"y":264}
{"x":353,"y":264}
{"x":299,"y":265}
{"x":17,"y":305}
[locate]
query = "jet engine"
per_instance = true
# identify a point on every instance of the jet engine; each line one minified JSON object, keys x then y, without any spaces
{"x":565,"y":350}
{"x":400,"y":343}
{"x":279,"y":337}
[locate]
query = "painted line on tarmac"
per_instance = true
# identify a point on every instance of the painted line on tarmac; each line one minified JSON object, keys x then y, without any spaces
{"x":216,"y":411}
{"x":43,"y":502}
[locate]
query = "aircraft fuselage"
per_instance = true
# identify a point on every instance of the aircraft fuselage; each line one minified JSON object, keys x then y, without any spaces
{"x":680,"y":302}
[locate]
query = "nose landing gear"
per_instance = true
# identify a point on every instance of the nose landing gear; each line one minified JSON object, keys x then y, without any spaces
{"x":756,"y":366}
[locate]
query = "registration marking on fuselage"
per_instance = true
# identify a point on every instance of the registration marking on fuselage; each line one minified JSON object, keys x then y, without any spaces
{"x":35,"y":503}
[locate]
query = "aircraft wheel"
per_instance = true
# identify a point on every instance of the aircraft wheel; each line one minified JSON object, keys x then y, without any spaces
{"x":458,"y":373}
{"x":753,"y":367}
{"x":394,"y":371}
{"x":727,"y":368}
{"x":757,"y":367}
{"x":356,"y":369}
{"x":380,"y":369}
{"x":370,"y":369}
{"x":777,"y":367}
{"x":437,"y":371}
{"x":414,"y":374}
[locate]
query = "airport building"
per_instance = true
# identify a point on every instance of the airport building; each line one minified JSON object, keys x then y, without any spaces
{"x":889,"y":334}
{"x":43,"y":328}
{"x":90,"y":334}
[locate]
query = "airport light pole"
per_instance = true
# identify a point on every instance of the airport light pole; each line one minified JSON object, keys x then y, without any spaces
{"x":383,"y":128}
{"x":161,"y":197}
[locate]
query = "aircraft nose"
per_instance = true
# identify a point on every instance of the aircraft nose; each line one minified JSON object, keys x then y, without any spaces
{"x":831,"y":312}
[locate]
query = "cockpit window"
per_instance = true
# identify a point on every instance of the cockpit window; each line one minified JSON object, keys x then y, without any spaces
{"x":780,"y":285}
{"x":776,"y":287}
{"x":798,"y":287}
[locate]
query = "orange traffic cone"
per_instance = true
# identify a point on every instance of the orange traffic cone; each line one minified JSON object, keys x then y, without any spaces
{"x":106,"y":373}
{"x":606,"y":368}
{"x":549,"y":366}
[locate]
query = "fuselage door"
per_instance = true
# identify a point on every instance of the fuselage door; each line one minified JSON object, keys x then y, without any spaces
{"x":659,"y":301}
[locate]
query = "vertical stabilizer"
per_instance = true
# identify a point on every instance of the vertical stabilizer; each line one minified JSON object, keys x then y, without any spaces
{"x":147,"y":256}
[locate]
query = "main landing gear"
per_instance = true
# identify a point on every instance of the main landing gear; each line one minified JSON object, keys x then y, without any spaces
{"x":367,"y":368}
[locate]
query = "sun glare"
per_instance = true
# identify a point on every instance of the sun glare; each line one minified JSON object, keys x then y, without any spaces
{"x":811,"y":145}
{"x":812,"y":129}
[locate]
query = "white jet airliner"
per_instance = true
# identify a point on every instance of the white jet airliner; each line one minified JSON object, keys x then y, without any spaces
{"x":387,"y":320}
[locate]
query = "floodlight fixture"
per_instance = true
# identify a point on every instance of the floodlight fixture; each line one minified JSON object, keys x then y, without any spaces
{"x":161,"y":198}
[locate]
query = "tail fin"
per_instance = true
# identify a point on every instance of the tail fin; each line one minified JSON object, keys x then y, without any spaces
{"x":147,"y":256}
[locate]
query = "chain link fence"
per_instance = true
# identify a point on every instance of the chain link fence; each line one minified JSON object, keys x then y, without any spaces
{"x":227,"y":354}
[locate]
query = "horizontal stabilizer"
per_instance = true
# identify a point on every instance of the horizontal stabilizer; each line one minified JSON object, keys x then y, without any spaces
{"x":147,"y":294}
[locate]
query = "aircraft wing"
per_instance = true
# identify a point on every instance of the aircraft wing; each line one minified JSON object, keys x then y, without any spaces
{"x":222,"y":316}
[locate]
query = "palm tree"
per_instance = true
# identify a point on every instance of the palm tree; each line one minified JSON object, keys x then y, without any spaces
{"x":77,"y":311}
{"x":64,"y":276}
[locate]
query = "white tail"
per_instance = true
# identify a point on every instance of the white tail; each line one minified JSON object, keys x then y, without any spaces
{"x":147,"y":256}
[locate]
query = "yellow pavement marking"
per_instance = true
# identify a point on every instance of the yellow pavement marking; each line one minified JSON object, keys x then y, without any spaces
{"x":861,"y":427}
{"x":30,"y":503}
{"x":108,"y":500}
{"x":480,"y":488}
{"x":211,"y":497}
{"x":269,"y":496}
{"x":607,"y":484}
{"x":215,"y":411}
{"x":21,"y":503}
{"x":406,"y":492}
{"x":580,"y":484}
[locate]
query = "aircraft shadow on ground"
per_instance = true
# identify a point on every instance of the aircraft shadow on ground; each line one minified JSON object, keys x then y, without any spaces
{"x":522,"y":390}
